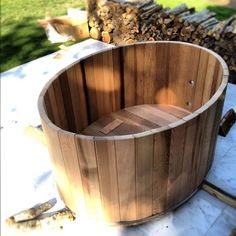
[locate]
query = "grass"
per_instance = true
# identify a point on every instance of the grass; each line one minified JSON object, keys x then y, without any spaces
{"x":23,"y":40}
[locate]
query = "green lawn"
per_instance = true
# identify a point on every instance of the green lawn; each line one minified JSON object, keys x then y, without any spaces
{"x":23,"y":40}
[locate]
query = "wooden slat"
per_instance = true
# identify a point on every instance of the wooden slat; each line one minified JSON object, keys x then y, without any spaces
{"x":144,"y":164}
{"x":106,"y":160}
{"x":89,"y":176}
{"x":129,"y":76}
{"x":78,"y":99}
{"x":69,"y":154}
{"x":91,"y":90}
{"x":62,"y":116}
{"x":116,"y":83}
{"x":219,"y":108}
{"x":67,"y":102}
{"x":135,"y":119}
{"x":125,"y":156}
{"x":111,"y":126}
{"x":160,"y":171}
{"x":198,"y":145}
{"x":187,"y":182}
{"x":177,"y":143}
{"x":51,"y":99}
{"x":140,"y":74}
{"x":150,"y":75}
{"x":209,"y":79}
{"x":162,"y":61}
{"x":48,"y":106}
{"x":173,"y":110}
{"x":146,"y":112}
{"x":180,"y":72}
{"x":207,"y":139}
{"x":54,"y":148}
{"x":200,"y":80}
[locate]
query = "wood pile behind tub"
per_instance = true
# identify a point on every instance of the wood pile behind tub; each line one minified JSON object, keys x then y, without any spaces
{"x":121,"y":22}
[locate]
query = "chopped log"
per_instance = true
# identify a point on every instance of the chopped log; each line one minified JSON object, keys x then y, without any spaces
{"x":33,"y":212}
{"x":95,"y":33}
{"x":177,"y":10}
{"x":124,"y":22}
{"x":106,"y":38}
{"x":50,"y":220}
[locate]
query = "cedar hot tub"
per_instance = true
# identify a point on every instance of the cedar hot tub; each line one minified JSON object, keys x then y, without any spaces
{"x":131,"y":130}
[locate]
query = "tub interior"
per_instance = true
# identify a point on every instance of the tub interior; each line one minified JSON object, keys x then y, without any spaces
{"x":132,"y":89}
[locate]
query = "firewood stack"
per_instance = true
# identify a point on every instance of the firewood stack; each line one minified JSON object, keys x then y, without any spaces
{"x":122,"y":22}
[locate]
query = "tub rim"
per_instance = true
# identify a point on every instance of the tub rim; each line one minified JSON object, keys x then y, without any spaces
{"x":181,"y":121}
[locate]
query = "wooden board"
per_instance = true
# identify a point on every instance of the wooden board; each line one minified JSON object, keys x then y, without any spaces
{"x":135,"y":119}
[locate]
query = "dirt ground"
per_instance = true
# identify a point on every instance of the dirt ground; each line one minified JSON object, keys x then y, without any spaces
{"x":228,"y":3}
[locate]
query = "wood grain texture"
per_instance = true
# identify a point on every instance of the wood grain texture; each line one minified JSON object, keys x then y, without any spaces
{"x":135,"y":119}
{"x":78,"y":97}
{"x":107,"y":169}
{"x":168,"y":98}
{"x":144,"y":163}
{"x":160,"y":171}
{"x":90,"y":178}
{"x":126,"y":170}
{"x":71,"y":163}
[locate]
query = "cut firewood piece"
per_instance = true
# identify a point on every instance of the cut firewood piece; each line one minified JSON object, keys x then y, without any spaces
{"x":177,"y":10}
{"x":33,"y":212}
{"x":106,"y":38}
{"x":205,"y":24}
{"x":125,"y":22}
{"x":179,"y":18}
{"x":95,"y":33}
{"x":52,"y":220}
{"x":219,"y":193}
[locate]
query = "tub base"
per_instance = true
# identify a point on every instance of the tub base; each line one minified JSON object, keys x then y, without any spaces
{"x":135,"y":119}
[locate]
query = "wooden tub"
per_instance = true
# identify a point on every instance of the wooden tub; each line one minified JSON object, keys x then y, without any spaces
{"x":132,"y":130}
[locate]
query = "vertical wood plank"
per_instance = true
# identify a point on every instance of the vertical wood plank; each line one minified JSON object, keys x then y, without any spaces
{"x":140,"y":71}
{"x":219,"y":109}
{"x":91,"y":89}
{"x":69,"y":154}
{"x":125,"y":155}
{"x":117,"y":92}
{"x":54,"y":108}
{"x":107,"y":170}
{"x":58,"y":165}
{"x":180,"y":92}
{"x":206,"y":141}
{"x":149,"y":75}
{"x":187,"y":182}
{"x":175,"y":165}
{"x":129,"y":76}
{"x":160,"y":171}
{"x":48,"y":106}
{"x":200,"y":80}
{"x":89,"y":176}
{"x":162,"y":63}
{"x":144,"y":164}
{"x":77,"y":91}
{"x":62,"y":116}
{"x":197,"y":158}
{"x":209,"y":79}
{"x":67,"y":101}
